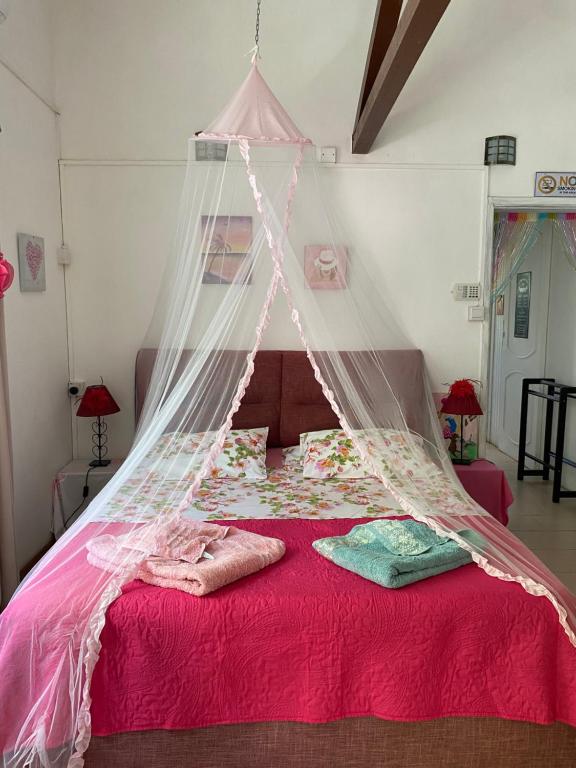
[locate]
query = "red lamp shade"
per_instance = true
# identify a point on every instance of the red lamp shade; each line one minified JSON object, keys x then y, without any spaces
{"x":461,"y":400}
{"x":97,"y":401}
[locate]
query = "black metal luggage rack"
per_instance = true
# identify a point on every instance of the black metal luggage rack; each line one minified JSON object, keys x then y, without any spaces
{"x":554,"y":393}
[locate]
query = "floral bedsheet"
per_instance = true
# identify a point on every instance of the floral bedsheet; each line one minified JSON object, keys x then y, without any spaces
{"x":284,"y":493}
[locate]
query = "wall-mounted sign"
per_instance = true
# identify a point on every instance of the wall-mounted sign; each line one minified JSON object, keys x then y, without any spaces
{"x":552,"y":184}
{"x":522,"y":310}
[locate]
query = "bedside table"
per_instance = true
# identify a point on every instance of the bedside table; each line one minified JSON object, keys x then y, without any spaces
{"x":68,"y":485}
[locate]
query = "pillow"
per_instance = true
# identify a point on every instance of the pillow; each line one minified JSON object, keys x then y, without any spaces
{"x":404,"y":454}
{"x":329,"y":454}
{"x":243,"y":455}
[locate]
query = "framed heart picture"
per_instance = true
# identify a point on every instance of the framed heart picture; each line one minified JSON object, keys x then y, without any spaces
{"x":31,"y":263}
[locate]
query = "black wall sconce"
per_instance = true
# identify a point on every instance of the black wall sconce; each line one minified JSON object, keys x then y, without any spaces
{"x":500,"y":150}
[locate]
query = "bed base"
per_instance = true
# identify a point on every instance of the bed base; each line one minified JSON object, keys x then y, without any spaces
{"x":350,"y":743}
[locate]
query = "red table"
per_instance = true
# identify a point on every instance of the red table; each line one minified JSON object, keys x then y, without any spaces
{"x":487,"y":484}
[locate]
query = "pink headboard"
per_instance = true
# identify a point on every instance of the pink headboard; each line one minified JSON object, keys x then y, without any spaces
{"x":284,"y":395}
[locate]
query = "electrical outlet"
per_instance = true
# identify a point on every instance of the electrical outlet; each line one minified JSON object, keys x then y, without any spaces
{"x":76,"y":388}
{"x":327,"y":154}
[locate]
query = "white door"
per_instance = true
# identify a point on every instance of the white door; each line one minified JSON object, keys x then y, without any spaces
{"x":519,"y":349}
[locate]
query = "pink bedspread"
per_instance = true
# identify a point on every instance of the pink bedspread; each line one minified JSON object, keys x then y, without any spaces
{"x":305,"y":640}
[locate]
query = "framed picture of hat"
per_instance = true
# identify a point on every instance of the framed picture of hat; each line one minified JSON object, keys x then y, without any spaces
{"x":325,"y":267}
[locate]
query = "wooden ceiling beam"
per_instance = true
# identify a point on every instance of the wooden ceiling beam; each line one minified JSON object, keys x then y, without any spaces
{"x":411,"y":34}
{"x":385,"y":23}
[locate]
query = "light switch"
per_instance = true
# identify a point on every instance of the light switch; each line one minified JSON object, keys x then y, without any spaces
{"x":476,"y":313}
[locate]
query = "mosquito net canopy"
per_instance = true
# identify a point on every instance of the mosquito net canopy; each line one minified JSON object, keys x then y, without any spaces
{"x":251,"y":227}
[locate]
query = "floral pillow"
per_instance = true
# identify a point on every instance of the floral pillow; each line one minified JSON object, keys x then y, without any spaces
{"x":181,"y":454}
{"x":330,"y":453}
{"x":243,"y":454}
{"x":403,"y":453}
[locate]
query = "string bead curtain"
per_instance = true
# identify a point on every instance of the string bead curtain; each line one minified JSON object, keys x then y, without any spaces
{"x":515,"y":234}
{"x":565,"y":225}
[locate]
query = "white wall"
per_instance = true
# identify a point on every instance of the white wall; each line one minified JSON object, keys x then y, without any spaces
{"x":35,"y":322}
{"x":136,"y":78}
{"x":120,"y":222}
{"x":491,"y":67}
{"x":26,"y":44}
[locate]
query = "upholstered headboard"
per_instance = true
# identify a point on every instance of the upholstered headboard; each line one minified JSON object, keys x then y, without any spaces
{"x":284,"y":395}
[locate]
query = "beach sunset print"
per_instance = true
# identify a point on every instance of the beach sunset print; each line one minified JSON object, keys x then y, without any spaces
{"x":226,"y":242}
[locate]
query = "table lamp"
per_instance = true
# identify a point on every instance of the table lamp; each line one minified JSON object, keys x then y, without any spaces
{"x":98,"y":402}
{"x":461,"y":401}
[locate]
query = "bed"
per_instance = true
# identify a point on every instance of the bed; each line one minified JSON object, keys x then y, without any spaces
{"x":306,"y":664}
{"x":268,"y":692}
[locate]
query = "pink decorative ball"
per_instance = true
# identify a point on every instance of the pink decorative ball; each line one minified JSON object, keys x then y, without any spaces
{"x":6,"y":275}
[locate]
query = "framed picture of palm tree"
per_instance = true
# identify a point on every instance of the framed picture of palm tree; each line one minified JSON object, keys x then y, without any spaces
{"x":226,"y":246}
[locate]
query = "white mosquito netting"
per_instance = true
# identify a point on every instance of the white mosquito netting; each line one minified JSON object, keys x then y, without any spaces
{"x":268,"y":192}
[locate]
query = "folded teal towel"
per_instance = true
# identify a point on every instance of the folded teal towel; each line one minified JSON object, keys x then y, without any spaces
{"x":394,"y":553}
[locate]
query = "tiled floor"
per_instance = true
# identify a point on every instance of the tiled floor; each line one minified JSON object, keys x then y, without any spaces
{"x":548,"y":529}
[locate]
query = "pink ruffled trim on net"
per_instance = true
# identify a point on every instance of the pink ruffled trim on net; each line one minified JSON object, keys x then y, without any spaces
{"x":113,"y":590}
{"x":263,"y":321}
{"x":92,"y":654}
{"x":218,"y":444}
{"x":530,"y":585}
{"x":260,"y":140}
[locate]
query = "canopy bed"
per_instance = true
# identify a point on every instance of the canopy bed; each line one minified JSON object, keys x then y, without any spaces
{"x":88,"y":649}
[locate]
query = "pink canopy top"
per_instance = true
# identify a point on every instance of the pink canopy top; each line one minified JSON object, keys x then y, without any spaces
{"x":254,"y":113}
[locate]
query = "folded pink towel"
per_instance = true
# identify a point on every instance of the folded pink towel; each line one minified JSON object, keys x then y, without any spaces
{"x":211,"y":557}
{"x":177,"y":540}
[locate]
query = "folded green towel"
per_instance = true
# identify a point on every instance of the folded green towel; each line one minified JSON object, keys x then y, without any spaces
{"x":394,"y":553}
